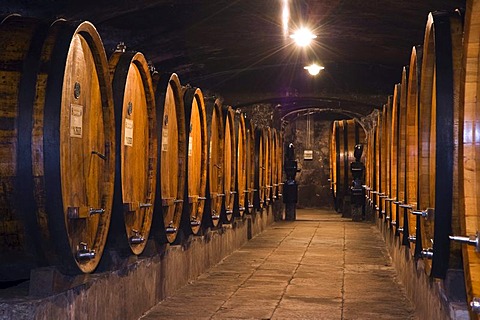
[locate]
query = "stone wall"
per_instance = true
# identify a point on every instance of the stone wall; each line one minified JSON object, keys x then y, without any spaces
{"x":313,"y":180}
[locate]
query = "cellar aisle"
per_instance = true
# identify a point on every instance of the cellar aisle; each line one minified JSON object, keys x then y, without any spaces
{"x":319,"y":267}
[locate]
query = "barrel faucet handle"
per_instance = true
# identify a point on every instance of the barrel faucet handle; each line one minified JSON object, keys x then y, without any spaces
{"x":136,"y":237}
{"x":427,"y":213}
{"x":472,"y":241}
{"x":475,"y":305}
{"x":382,"y":196}
{"x":398,"y":202}
{"x":406,"y":206}
{"x":427,"y":253}
{"x":84,"y":253}
{"x":373,"y":192}
{"x":391,"y":200}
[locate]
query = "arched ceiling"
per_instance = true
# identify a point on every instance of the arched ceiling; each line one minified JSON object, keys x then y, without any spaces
{"x":237,"y":49}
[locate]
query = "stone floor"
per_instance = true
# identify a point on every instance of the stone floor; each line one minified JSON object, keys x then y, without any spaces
{"x":318,"y":267}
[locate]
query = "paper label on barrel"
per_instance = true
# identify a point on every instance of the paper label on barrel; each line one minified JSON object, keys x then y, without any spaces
{"x":165,"y":137}
{"x":76,"y":120}
{"x":128,"y":141}
{"x":190,"y":146}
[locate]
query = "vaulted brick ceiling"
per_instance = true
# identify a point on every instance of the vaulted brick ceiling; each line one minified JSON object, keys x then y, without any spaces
{"x":236,"y":48}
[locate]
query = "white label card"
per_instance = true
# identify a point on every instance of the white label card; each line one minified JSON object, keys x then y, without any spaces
{"x":76,"y":120}
{"x":128,"y":141}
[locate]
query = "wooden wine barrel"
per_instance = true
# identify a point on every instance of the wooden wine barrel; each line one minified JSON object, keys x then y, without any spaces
{"x":279,"y":160}
{"x":411,"y":168}
{"x":250,"y":166}
{"x":470,"y":213}
{"x":346,"y":134}
{"x":260,"y":174}
{"x":369,"y":173}
{"x":229,"y":163}
{"x":241,"y":137}
{"x":58,"y":147}
{"x":438,"y":201}
{"x":172,"y":158}
{"x":267,"y":165}
{"x":274,"y":163}
{"x":136,"y":151}
{"x":334,"y":151}
{"x":378,"y":163}
{"x":394,"y":140}
{"x":385,"y":165}
{"x":197,"y":156}
{"x":402,"y":221}
{"x":215,"y":174}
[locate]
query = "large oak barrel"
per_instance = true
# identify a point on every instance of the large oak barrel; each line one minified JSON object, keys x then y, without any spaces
{"x":401,"y":223}
{"x":229,"y":163}
{"x":172,"y":157}
{"x":267,"y":164}
{"x":438,"y":176}
{"x":241,"y":137}
{"x":394,"y":140}
{"x":470,"y":212}
{"x":334,"y":151}
{"x":58,"y":144}
{"x":250,"y":165}
{"x":411,"y":167}
{"x":215,"y":174}
{"x":136,"y":150}
{"x":385,"y":165}
{"x":259,"y":172}
{"x":197,"y":153}
{"x":279,"y":163}
{"x":274,"y":163}
{"x":378,"y":163}
{"x":345,"y":134}
{"x":369,"y":173}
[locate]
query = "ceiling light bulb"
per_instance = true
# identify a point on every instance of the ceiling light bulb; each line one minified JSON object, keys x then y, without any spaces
{"x":303,"y":37}
{"x":314,"y":69}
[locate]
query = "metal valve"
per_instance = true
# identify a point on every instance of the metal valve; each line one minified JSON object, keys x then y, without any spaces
{"x":427,"y":214}
{"x":391,"y":200}
{"x":170,"y":229}
{"x":472,"y":241}
{"x":405,"y":206}
{"x":382,"y":196}
{"x":475,"y":305}
{"x":136,"y":238}
{"x":215,"y":216}
{"x":93,"y":211}
{"x":412,"y":239}
{"x":398,"y":202}
{"x":202,"y":198}
{"x":400,"y":229}
{"x":194,"y":222}
{"x":83,"y":253}
{"x":241,"y":209}
{"x":393,"y":223}
{"x":145,"y":205}
{"x":427,"y":253}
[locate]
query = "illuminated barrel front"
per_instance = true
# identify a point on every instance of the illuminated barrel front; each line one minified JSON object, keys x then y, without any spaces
{"x":216,"y":146}
{"x":136,"y":151}
{"x":197,"y":156}
{"x":60,"y":116}
{"x":172,"y":157}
